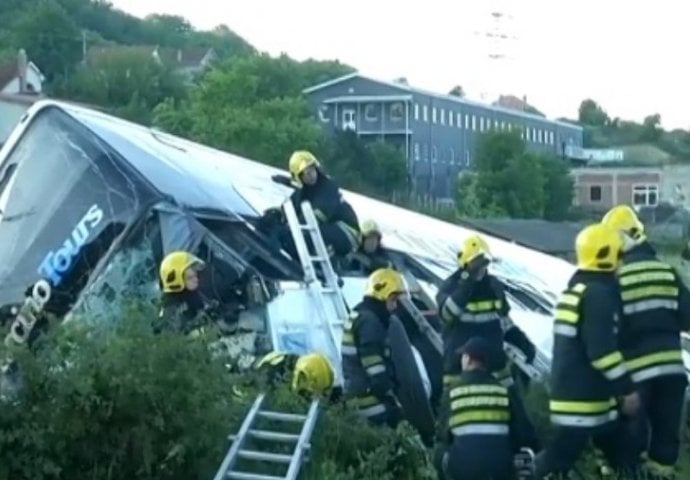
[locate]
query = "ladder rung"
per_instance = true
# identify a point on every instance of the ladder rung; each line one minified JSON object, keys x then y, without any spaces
{"x":277,"y":436}
{"x":319,"y":259}
{"x":236,"y":475}
{"x":265,"y":456}
{"x":286,"y":417}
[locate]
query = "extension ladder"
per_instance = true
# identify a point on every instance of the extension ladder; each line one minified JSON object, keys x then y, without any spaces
{"x":248,"y":429}
{"x":324,"y":293}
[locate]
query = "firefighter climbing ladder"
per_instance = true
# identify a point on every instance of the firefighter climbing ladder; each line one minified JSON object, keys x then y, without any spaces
{"x":329,"y":291}
{"x":249,"y":429}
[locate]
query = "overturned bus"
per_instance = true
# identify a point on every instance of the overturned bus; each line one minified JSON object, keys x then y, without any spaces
{"x":92,"y":203}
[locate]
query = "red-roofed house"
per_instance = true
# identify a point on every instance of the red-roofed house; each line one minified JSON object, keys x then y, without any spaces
{"x":21,"y":77}
{"x":186,"y":61}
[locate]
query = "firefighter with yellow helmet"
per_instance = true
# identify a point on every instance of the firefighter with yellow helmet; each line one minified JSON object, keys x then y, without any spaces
{"x":656,"y":309}
{"x":337,"y":219}
{"x":472,"y":303}
{"x":590,"y":383}
{"x":311,"y":374}
{"x":370,"y":256}
{"x":366,"y":359}
{"x":183,"y":307}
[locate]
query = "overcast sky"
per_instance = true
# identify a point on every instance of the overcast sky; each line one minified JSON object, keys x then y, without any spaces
{"x":624,"y":54}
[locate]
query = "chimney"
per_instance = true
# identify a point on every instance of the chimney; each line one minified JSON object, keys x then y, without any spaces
{"x":21,"y":70}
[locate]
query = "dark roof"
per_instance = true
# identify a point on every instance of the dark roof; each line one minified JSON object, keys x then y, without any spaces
{"x":549,"y":237}
{"x":8,"y":72}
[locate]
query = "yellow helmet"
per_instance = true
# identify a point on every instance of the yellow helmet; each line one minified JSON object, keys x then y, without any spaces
{"x":473,"y":247}
{"x":299,"y":162}
{"x":173,"y":267}
{"x":624,"y":219}
{"x":313,"y":374}
{"x":598,"y":248}
{"x":368,"y":227}
{"x":385,"y":282}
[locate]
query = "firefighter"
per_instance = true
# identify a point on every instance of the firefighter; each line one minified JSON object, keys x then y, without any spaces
{"x":367,"y":365}
{"x":370,"y":255}
{"x":337,"y":219}
{"x":310,"y":374}
{"x":656,"y":309}
{"x":477,"y":434}
{"x":471,"y":303}
{"x":589,"y":380}
{"x":183,"y":307}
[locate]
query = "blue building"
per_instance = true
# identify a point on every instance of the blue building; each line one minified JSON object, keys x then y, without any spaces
{"x":437,"y":133}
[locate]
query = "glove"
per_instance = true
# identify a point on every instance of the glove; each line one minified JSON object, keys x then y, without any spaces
{"x":282,"y":180}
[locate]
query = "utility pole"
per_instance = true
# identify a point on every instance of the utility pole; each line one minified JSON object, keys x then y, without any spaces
{"x":498,"y":37}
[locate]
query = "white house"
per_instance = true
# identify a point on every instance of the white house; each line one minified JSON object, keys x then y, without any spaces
{"x":21,"y":77}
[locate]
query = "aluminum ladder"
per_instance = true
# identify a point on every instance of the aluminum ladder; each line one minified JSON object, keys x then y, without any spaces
{"x":329,"y":290}
{"x":294,"y":461}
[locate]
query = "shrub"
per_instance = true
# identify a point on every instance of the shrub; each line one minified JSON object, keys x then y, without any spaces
{"x":123,"y":404}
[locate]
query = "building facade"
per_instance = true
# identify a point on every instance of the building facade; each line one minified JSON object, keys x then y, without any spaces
{"x":600,"y":188}
{"x":437,"y":133}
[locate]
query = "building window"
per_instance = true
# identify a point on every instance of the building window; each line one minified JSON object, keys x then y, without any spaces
{"x":503,"y":125}
{"x":467,"y":158}
{"x":370,"y":112}
{"x":425,"y":152}
{"x":443,"y":116}
{"x":595,"y":193}
{"x":474,"y":122}
{"x":425,"y":113}
{"x":551,"y":137}
{"x":416,"y":111}
{"x":451,"y":152}
{"x":450,"y":118}
{"x":458,"y":120}
{"x":510,"y":127}
{"x":527,"y":134}
{"x":397,"y":112}
{"x":496,"y":124}
{"x":467,"y":122}
{"x":434,"y":153}
{"x":416,"y":151}
{"x":645,"y":195}
{"x":433,"y":114}
{"x":539,"y":139}
{"x":481,"y":124}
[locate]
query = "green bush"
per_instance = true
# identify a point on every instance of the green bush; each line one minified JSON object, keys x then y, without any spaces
{"x":123,"y":404}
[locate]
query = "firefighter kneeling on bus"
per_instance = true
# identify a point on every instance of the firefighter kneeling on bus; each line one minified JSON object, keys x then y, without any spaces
{"x":310,"y":375}
{"x":478,"y":433}
{"x":337,"y":219}
{"x":590,"y":384}
{"x":366,"y":359}
{"x":656,"y":309}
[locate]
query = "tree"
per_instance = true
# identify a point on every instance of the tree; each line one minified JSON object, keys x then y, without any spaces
{"x":651,"y":128}
{"x":590,"y":113}
{"x":129,"y":85}
{"x":509,"y":180}
{"x":49,"y":36}
{"x":457,"y":91}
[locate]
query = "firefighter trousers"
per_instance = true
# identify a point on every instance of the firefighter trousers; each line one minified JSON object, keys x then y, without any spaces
{"x":568,"y":443}
{"x":657,"y":426}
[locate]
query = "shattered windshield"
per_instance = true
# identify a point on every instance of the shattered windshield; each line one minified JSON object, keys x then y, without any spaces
{"x":65,"y":196}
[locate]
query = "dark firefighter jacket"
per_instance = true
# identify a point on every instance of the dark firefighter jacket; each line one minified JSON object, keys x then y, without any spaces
{"x":656,"y":308}
{"x":478,"y":308}
{"x":367,"y":263}
{"x":326,"y":201}
{"x":182,"y":312}
{"x":477,"y":427}
{"x":588,"y":370}
{"x":367,"y":365}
